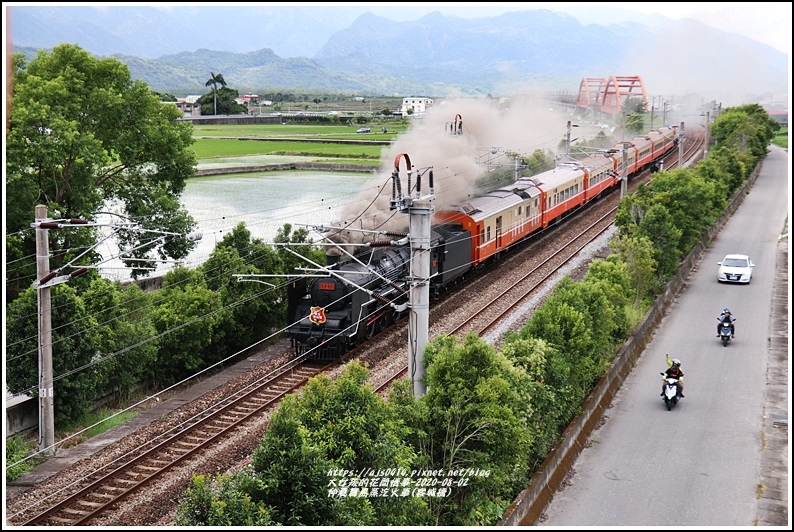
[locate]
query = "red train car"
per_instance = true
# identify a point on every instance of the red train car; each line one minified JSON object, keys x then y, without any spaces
{"x":502,"y":217}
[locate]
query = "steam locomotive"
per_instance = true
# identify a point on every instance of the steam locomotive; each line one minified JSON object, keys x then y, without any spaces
{"x":361,"y":296}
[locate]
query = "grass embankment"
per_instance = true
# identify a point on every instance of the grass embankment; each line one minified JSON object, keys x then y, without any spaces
{"x":781,"y":139}
{"x":21,"y":445}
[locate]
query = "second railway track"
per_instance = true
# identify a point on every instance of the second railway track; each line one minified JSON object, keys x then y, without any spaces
{"x":103,"y":490}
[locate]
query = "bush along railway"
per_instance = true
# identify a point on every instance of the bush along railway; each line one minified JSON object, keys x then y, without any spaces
{"x":363,"y":295}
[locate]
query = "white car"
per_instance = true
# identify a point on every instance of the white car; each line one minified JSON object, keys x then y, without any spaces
{"x":735,"y":268}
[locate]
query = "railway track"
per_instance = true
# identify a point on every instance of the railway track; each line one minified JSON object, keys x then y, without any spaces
{"x":547,"y":259}
{"x":110,"y":485}
{"x":106,"y":488}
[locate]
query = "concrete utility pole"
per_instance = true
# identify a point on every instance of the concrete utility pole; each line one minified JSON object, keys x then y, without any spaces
{"x":46,"y":388}
{"x":623,"y":177}
{"x":419,"y":212}
{"x":706,"y":145}
{"x":681,"y":138}
{"x":44,"y":280}
{"x":568,"y":138}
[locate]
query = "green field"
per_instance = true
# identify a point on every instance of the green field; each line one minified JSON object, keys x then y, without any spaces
{"x":207,"y":148}
{"x":236,"y":141}
{"x":781,"y":139}
{"x":301,"y":130}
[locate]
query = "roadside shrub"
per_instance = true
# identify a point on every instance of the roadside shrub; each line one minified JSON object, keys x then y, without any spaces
{"x":17,"y":448}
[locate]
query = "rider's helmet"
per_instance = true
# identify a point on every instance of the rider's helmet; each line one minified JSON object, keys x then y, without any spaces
{"x":676,"y":363}
{"x":726,"y":310}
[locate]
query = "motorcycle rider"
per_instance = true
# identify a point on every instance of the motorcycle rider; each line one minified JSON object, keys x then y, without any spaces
{"x":726,"y":316}
{"x":673,"y":371}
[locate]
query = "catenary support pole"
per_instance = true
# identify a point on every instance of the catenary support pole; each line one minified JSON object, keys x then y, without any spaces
{"x":46,"y":387}
{"x":419,"y":317}
{"x":681,"y":138}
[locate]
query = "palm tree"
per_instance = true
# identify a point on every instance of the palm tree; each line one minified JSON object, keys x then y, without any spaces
{"x":214,"y":80}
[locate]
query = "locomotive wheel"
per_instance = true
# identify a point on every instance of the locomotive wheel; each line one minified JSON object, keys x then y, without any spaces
{"x":375,"y":328}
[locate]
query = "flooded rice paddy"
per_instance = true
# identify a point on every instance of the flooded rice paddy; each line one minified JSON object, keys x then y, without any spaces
{"x":264,"y":201}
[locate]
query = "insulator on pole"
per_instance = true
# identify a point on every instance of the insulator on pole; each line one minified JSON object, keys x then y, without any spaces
{"x":49,"y":225}
{"x":80,"y":271}
{"x":77,"y":221}
{"x":47,"y":277}
{"x":398,"y":190}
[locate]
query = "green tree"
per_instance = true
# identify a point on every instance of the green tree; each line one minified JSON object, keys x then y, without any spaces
{"x":293,"y":246}
{"x":538,"y":162}
{"x":75,"y":346}
{"x":186,"y":318}
{"x":635,"y":123}
{"x":223,"y":102}
{"x":334,"y":424}
{"x":124,"y":330}
{"x":749,"y":128}
{"x":568,"y":328}
{"x":636,"y":255}
{"x":253,"y":306}
{"x":82,"y":136}
{"x":215,"y":80}
{"x":232,"y":505}
{"x":546,"y":416}
{"x":694,"y":205}
{"x":475,"y":416}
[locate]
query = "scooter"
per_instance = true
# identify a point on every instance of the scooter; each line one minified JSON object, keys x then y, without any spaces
{"x":670,"y":392}
{"x":725,"y":333}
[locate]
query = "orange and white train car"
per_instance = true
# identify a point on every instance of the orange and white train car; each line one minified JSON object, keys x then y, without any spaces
{"x":502,"y":217}
{"x":644,"y":150}
{"x":497,"y":219}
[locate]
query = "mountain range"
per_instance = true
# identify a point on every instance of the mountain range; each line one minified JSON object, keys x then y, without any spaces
{"x":259,"y":48}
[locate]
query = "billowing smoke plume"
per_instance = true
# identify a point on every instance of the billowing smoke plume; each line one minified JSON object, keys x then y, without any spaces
{"x":488,"y":129}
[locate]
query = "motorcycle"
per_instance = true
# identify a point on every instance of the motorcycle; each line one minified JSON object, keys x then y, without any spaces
{"x":725,"y":332}
{"x":670,"y":392}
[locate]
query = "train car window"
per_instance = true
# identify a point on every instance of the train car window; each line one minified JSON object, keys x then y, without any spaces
{"x":520,"y":207}
{"x":482,"y":236}
{"x":488,"y":233}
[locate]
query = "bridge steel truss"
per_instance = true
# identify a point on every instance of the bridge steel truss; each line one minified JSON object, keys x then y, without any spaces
{"x":607,"y":95}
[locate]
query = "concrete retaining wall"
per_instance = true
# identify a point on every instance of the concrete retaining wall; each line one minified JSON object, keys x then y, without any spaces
{"x":287,"y":166}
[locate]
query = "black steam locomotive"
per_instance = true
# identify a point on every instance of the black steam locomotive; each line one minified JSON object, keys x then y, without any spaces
{"x":361,"y":297}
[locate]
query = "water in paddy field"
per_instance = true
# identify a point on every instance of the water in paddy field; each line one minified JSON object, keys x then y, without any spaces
{"x":263,"y":201}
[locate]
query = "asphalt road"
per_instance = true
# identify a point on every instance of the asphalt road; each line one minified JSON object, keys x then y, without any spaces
{"x":706,"y":462}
